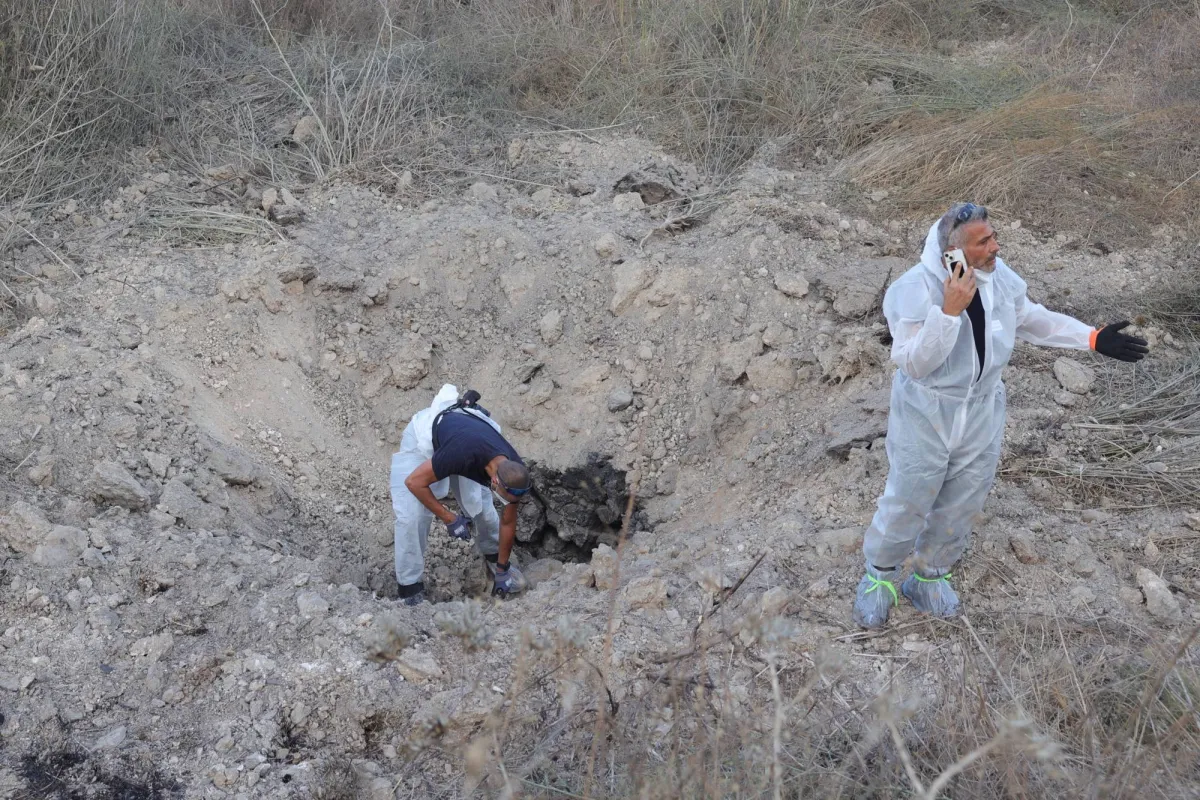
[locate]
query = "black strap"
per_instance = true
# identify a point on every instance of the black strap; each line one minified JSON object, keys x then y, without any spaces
{"x":468,"y":400}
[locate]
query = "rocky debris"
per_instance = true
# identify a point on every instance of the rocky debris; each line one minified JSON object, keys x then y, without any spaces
{"x":1066,"y":399}
{"x":853,"y":428}
{"x":1022,"y":543}
{"x":644,"y":592}
{"x":858,"y":294}
{"x":411,"y":363}
{"x":286,"y":215}
{"x":629,"y":278}
{"x":15,"y":683}
{"x":551,"y":327}
{"x":580,"y":504}
{"x":772,"y":370}
{"x":819,"y":589}
{"x":653,"y":182}
{"x":1074,"y":377}
{"x":311,"y":604}
{"x":630,"y":201}
{"x":388,"y":637}
{"x":418,"y":666}
{"x":153,"y":648}
{"x":111,"y":740}
{"x":1159,"y":600}
{"x":111,"y":483}
{"x":233,"y":466}
{"x":484,"y":192}
{"x":606,"y":246}
{"x":270,"y":197}
{"x":181,"y":502}
{"x":340,"y":279}
{"x":24,"y":527}
{"x":735,"y":358}
{"x":793,"y":284}
{"x":839,"y":541}
{"x":542,"y":570}
{"x":306,"y":130}
{"x":62,"y":546}
{"x":620,"y":398}
{"x":604,"y":566}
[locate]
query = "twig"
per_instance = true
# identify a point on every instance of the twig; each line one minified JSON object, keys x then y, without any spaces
{"x":905,"y":758}
{"x":601,"y":717}
{"x":1111,"y":44}
{"x":958,"y":766}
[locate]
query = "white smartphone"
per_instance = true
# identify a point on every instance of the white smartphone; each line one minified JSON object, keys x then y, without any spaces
{"x":955,"y":262}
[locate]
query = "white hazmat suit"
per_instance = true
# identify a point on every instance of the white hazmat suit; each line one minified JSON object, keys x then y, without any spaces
{"x":946,"y":419}
{"x":412,"y":518}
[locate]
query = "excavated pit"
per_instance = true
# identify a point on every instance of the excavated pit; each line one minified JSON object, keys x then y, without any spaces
{"x":575,"y":509}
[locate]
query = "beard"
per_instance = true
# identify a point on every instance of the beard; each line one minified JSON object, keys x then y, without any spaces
{"x":987,"y":265}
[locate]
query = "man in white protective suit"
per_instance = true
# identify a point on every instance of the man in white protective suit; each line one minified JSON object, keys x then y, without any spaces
{"x":454,"y":446}
{"x":954,"y":319}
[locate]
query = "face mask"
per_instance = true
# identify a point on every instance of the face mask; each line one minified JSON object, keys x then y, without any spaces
{"x":497,"y":495}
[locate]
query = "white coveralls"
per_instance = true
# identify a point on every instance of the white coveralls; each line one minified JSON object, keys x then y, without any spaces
{"x":946,"y":419}
{"x":412,"y":518}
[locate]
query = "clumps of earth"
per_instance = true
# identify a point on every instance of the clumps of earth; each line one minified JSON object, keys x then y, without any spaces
{"x":196,"y":571}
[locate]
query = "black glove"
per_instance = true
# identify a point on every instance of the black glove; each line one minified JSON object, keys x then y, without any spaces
{"x":1121,"y":346}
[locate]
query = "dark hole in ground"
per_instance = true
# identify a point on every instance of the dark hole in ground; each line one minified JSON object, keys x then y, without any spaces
{"x":575,"y":509}
{"x":69,"y":775}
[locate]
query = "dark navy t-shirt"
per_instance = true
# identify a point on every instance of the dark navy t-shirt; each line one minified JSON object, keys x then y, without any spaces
{"x":465,"y":446}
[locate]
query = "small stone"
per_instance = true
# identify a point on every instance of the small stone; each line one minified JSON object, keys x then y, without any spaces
{"x":606,"y":245}
{"x":1159,"y":600}
{"x":793,"y":284}
{"x":311,"y":604}
{"x":411,"y":364}
{"x":1085,"y":567}
{"x":270,"y":198}
{"x":484,"y":192}
{"x":158,"y":463}
{"x":1022,"y":544}
{"x":628,"y":201}
{"x":418,"y":667}
{"x":819,"y":589}
{"x":1074,"y":377}
{"x":1066,"y":399}
{"x":551,"y":327}
{"x":620,"y":398}
{"x":1093,"y":515}
{"x":306,"y":129}
{"x":629,"y":278}
{"x":839,"y":541}
{"x":233,"y":466}
{"x":1151,"y":551}
{"x":645,"y":592}
{"x":774,"y":601}
{"x":604,"y":566}
{"x":111,"y":483}
{"x":111,"y":740}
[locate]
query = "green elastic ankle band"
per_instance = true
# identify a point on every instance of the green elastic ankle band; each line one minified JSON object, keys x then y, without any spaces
{"x":876,"y":583}
{"x":932,"y":580}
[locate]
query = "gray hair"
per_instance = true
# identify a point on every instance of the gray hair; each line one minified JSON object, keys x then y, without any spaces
{"x":958,"y":215}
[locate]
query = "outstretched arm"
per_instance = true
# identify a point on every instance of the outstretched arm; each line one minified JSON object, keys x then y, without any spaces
{"x":1037,"y":324}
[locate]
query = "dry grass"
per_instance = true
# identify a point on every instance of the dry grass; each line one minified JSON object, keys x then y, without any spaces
{"x":1141,"y":440}
{"x":1076,"y":98}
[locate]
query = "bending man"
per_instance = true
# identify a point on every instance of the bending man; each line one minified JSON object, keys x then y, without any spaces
{"x":953,"y":330}
{"x":456,"y":447}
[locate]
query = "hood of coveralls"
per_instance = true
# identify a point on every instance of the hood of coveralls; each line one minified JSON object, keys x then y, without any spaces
{"x":931,"y":259}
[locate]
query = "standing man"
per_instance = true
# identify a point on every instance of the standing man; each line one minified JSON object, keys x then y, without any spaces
{"x":456,"y":447}
{"x":953,"y":331}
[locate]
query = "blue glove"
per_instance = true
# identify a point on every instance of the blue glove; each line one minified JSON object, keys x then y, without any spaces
{"x":506,"y":581}
{"x":460,"y":528}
